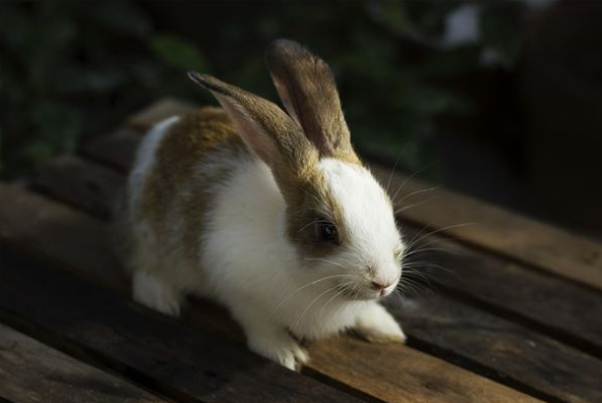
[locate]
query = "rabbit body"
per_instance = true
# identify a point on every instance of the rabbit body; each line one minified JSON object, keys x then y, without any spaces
{"x":293,"y":236}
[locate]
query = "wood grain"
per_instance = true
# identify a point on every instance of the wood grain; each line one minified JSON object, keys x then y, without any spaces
{"x":32,"y":372}
{"x":402,"y":381}
{"x":499,"y":231}
{"x":567,"y":310}
{"x":502,"y":232}
{"x":115,"y":149}
{"x":528,"y":360}
{"x":64,"y":179}
{"x":57,"y":232}
{"x":176,"y":360}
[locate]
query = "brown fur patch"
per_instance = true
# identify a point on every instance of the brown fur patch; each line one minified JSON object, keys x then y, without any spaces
{"x":293,"y":159}
{"x":307,"y":88}
{"x":309,"y":203}
{"x":173,"y":189}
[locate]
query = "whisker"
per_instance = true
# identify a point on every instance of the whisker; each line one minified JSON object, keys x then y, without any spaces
{"x":420,"y":203}
{"x":419,"y":191}
{"x":326,"y":261}
{"x":302,"y":288}
{"x":334,"y":296}
{"x":405,"y":182}
{"x":394,"y":167}
{"x":311,"y":304}
{"x":436,"y":231}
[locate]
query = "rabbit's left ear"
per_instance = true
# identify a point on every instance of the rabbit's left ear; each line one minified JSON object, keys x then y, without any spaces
{"x":267,"y":130}
{"x":307,"y":88}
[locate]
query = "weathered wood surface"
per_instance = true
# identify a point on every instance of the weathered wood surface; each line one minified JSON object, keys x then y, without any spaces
{"x":569,"y":311}
{"x":57,"y":232}
{"x":540,"y":245}
{"x":115,"y":149}
{"x":524,"y":359}
{"x":92,"y":195}
{"x":32,"y":372}
{"x":565,"y":310}
{"x":176,"y":360}
{"x":495,"y":315}
{"x":405,"y":368}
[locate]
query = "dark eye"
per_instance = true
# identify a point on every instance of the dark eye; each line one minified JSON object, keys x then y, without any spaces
{"x":328,"y":232}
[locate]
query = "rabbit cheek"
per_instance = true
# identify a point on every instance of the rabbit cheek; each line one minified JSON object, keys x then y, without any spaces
{"x":313,"y":206}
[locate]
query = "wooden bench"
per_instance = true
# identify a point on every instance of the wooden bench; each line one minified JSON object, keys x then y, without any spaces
{"x":512,"y":311}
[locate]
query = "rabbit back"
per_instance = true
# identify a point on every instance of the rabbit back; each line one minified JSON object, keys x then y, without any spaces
{"x":171,"y":191}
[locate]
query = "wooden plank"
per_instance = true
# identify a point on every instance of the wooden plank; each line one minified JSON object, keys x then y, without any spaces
{"x":114,"y":149}
{"x":547,"y":302}
{"x":400,"y":382}
{"x":567,"y":311}
{"x":178,"y":361}
{"x":32,"y":372}
{"x":94,"y":189}
{"x":528,"y":360}
{"x":499,"y":360}
{"x":158,"y":111}
{"x":25,"y":218}
{"x":540,"y":245}
{"x":508,"y":234}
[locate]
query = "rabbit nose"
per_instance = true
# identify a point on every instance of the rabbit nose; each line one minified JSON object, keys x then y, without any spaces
{"x":380,"y":286}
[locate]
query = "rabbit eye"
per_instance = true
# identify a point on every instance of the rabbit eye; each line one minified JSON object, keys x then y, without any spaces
{"x":328,"y":232}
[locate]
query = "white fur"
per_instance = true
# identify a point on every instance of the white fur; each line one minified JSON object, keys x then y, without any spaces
{"x":151,"y":284}
{"x":145,"y":157}
{"x":376,"y":324}
{"x":156,"y":294}
{"x":256,"y":272}
{"x":249,"y":265}
{"x":369,"y":218}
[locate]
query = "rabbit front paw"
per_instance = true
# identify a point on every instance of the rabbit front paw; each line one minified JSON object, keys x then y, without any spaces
{"x":280,"y":347}
{"x":148,"y":290}
{"x":377,"y":325}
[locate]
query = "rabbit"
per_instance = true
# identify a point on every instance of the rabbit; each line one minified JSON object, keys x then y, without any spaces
{"x":272,"y":215}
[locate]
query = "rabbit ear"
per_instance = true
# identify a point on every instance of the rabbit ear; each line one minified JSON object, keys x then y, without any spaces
{"x":307,"y":88}
{"x":265,"y":128}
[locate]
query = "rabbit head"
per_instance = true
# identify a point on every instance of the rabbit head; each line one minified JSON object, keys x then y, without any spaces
{"x":338,"y":217}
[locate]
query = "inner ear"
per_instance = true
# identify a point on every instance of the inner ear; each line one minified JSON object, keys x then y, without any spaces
{"x":265,"y":128}
{"x":307,"y":88}
{"x":269,"y":132}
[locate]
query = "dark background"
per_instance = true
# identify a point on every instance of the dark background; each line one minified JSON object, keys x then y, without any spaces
{"x":498,"y":99}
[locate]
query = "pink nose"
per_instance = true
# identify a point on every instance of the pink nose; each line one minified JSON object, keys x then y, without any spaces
{"x":379,"y":286}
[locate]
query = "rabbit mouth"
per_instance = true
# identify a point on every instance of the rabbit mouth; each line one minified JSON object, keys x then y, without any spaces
{"x":364,"y":293}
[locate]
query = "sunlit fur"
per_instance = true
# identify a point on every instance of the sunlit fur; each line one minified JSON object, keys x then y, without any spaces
{"x":374,"y":238}
{"x":249,"y":265}
{"x":257,"y":268}
{"x":206,"y":216}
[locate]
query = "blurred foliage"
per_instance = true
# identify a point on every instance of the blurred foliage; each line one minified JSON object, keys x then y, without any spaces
{"x":73,"y":69}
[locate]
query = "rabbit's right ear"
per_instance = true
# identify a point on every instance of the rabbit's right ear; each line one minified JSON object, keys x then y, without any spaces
{"x":265,"y":128}
{"x":307,"y":88}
